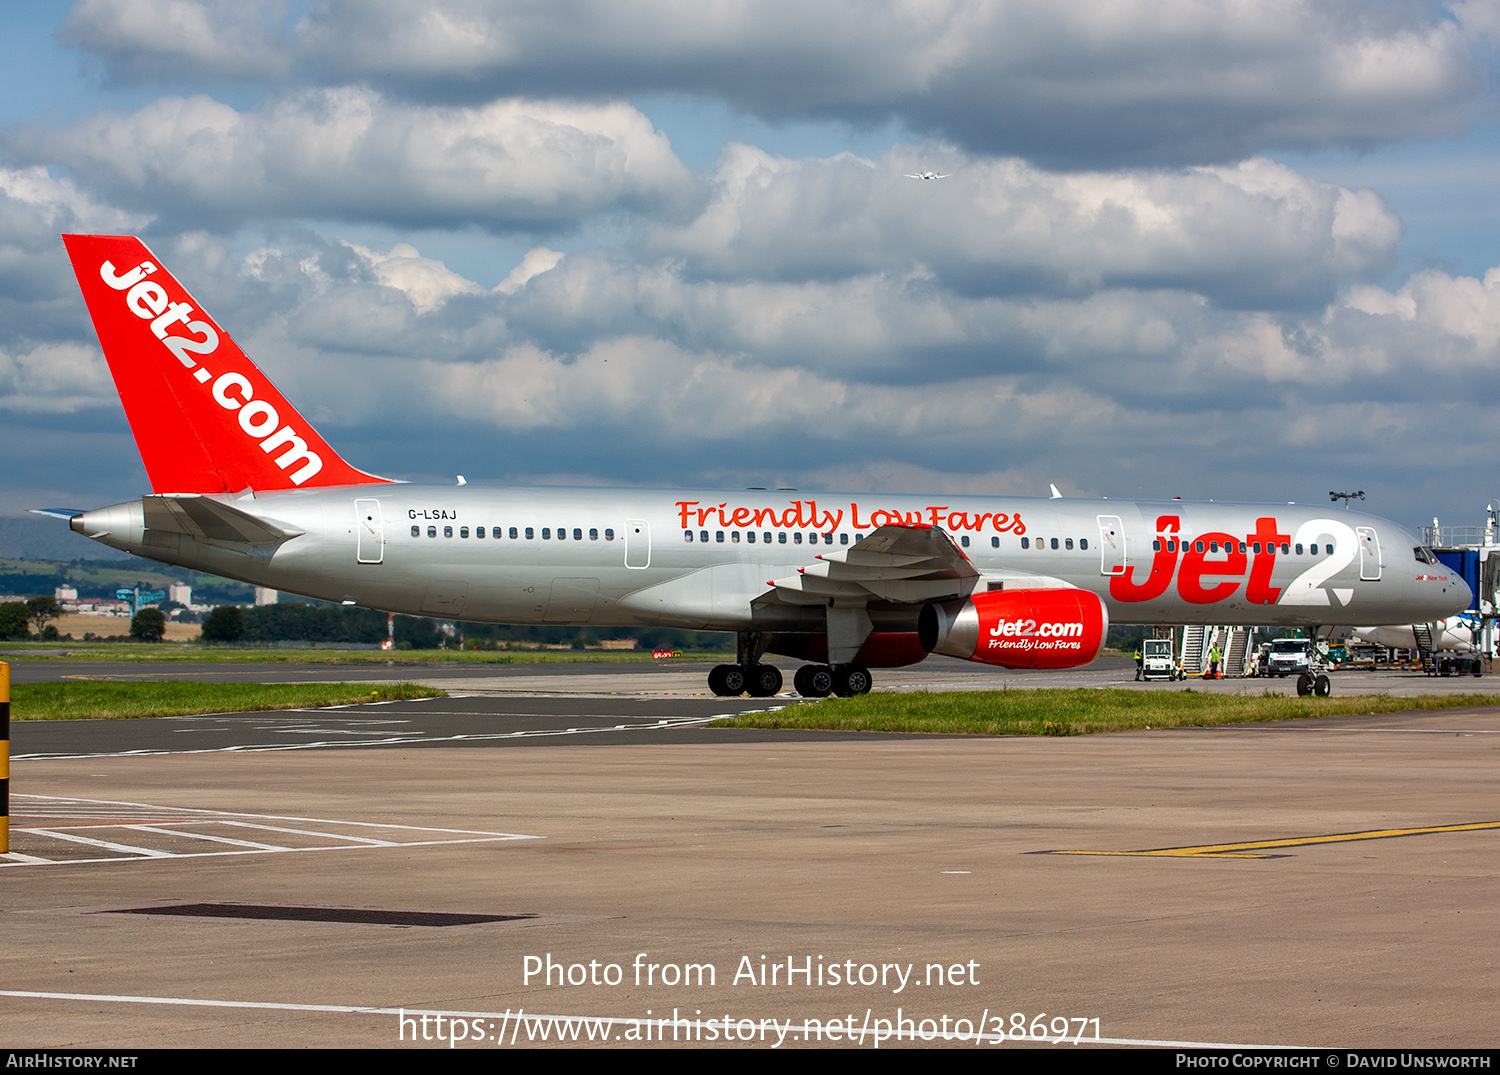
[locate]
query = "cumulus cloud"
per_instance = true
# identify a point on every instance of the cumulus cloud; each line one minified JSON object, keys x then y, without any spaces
{"x":352,"y":154}
{"x":55,"y":378}
{"x":1081,"y":85}
{"x":157,"y":39}
{"x":1251,"y":234}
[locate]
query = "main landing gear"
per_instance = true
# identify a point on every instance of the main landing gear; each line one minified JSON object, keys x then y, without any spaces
{"x":748,"y":676}
{"x":811,"y":680}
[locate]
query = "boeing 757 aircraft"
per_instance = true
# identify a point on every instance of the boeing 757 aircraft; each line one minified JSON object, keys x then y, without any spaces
{"x":243,"y":486}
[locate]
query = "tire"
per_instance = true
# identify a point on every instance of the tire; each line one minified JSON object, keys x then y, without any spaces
{"x":1323,"y":687}
{"x":727,"y":680}
{"x":814,"y":681}
{"x":1304,"y":685}
{"x":851,"y":679}
{"x":764,"y":681}
{"x":1476,"y":669}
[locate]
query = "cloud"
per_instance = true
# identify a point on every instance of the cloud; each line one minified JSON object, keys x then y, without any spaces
{"x":352,"y":154}
{"x":1253,"y":234}
{"x":55,"y":379}
{"x":163,"y":39}
{"x":1072,"y":85}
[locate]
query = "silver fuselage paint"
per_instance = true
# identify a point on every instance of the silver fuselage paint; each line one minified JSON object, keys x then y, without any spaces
{"x":650,"y":574}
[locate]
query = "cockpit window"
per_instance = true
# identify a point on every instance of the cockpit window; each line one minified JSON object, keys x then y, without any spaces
{"x":1424,"y":554}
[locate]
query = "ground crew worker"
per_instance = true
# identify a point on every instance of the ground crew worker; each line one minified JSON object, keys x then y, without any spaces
{"x":1140,"y":661}
{"x":1214,"y":656}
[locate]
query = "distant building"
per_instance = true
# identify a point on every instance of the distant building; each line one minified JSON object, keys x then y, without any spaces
{"x":182,"y":594}
{"x":264,"y":595}
{"x":65,"y":593}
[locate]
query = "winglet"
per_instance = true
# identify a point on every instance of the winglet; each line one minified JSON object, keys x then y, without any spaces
{"x":205,"y":418}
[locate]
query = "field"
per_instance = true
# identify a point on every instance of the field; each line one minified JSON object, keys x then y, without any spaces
{"x":1073,"y":712}
{"x":93,"y":700}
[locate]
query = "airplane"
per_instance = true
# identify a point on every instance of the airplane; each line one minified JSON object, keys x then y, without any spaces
{"x":926,"y":175}
{"x":244,"y":487}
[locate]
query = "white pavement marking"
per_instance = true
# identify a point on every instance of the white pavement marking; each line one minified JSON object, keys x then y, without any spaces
{"x":64,"y":816}
{"x":511,"y":1015}
{"x":399,"y":740}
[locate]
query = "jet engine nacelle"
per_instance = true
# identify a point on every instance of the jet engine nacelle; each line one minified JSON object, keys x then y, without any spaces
{"x":1018,"y":628}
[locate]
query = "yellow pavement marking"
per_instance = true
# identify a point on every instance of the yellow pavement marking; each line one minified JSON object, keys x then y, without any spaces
{"x":1247,"y":849}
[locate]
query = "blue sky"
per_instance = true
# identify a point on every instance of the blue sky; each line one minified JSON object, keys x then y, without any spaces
{"x":1186,"y":248}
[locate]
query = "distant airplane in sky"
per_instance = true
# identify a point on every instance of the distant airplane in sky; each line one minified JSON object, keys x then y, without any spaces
{"x":926,"y":175}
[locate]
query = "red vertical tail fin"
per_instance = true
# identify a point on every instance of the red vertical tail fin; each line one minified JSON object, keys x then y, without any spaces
{"x":205,"y":418}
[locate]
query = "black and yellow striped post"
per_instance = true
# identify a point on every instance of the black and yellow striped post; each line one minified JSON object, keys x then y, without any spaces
{"x":4,"y":758}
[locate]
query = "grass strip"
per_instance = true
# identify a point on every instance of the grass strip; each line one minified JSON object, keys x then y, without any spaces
{"x":248,"y":654}
{"x":102,"y":700}
{"x":1074,"y":712}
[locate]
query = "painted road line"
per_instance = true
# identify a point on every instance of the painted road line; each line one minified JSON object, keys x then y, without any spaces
{"x":1247,"y":849}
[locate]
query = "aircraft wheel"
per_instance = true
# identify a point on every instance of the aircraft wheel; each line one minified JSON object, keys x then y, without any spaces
{"x":814,"y":681}
{"x":1323,"y":687}
{"x":1304,"y":685}
{"x":727,"y":680}
{"x":764,"y":681}
{"x":1476,"y":669}
{"x":851,"y":679}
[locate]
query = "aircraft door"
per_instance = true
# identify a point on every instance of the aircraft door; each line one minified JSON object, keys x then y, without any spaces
{"x":637,"y":543}
{"x":1370,"y":559}
{"x":1111,"y":545}
{"x":370,"y":531}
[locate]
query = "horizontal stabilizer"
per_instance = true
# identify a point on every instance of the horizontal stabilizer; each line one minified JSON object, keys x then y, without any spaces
{"x":65,"y":514}
{"x":212,"y":520}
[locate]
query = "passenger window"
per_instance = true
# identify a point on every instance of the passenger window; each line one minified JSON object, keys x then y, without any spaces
{"x":687,"y":535}
{"x":964,"y":541}
{"x":797,"y":538}
{"x":530,"y":533}
{"x":1171,"y":544}
{"x":750,"y":536}
{"x":766,"y":537}
{"x":416,"y":531}
{"x":447,"y":531}
{"x":577,"y":533}
{"x":1067,"y":543}
{"x":827,"y":539}
{"x":812,"y":539}
{"x":513,"y":534}
{"x":703,"y":536}
{"x":1242,"y":548}
{"x":1284,"y":548}
{"x":844,"y":539}
{"x":1299,"y":551}
{"x":734,"y":537}
{"x":1054,"y":543}
{"x":719,"y":536}
{"x":1025,"y":543}
{"x":593,"y":533}
{"x":1199,"y":546}
{"x":546,"y":533}
{"x":1213,"y":546}
{"x":609,"y":535}
{"x":1083,"y":543}
{"x":1256,"y":547}
{"x":463,"y":531}
{"x":479,"y":531}
{"x":1313,"y":550}
{"x":781,"y":537}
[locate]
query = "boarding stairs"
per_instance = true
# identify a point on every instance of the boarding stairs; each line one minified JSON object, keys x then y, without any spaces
{"x":1237,"y":652}
{"x":1423,"y":634}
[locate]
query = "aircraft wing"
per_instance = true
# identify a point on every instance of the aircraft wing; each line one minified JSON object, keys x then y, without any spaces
{"x":894,"y":563}
{"x":203,"y":518}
